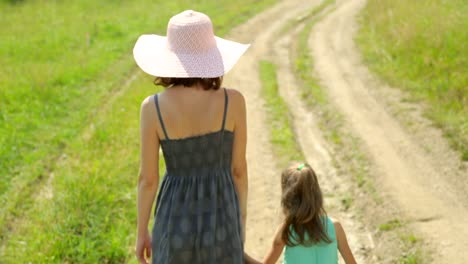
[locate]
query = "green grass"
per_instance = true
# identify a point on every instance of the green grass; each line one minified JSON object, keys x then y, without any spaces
{"x":410,"y":259}
{"x":390,"y":225}
{"x":410,"y":239}
{"x":282,"y":136}
{"x":412,"y":253}
{"x":347,"y":201}
{"x":89,"y":218}
{"x":415,"y":257}
{"x":69,"y":124}
{"x":421,"y":47}
{"x":303,"y":63}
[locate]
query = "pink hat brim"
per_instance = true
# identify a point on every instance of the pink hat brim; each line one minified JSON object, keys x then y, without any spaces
{"x":152,"y":55}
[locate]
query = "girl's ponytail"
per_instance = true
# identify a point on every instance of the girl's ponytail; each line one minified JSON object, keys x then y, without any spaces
{"x":302,"y":203}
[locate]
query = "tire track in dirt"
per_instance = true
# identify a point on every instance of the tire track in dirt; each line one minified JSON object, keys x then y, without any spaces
{"x":264,"y":189}
{"x":417,"y":181}
{"x":317,"y":151}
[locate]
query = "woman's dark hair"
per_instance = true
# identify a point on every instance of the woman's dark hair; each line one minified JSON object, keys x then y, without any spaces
{"x":302,"y":203}
{"x":206,"y":83}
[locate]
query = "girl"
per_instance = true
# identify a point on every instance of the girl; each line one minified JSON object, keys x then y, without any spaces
{"x":307,"y":234}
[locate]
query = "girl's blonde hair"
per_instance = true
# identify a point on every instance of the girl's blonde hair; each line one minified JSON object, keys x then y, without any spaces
{"x":302,"y":203}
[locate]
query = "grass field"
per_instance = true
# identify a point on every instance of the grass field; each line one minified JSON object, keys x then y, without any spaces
{"x":421,"y":46}
{"x":69,"y":123}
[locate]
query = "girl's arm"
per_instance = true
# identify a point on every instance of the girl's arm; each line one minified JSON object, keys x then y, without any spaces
{"x":276,"y":248}
{"x":343,"y":246}
{"x":239,"y":162}
{"x":148,"y":179}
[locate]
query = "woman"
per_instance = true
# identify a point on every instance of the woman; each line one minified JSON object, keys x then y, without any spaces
{"x":201,"y":205}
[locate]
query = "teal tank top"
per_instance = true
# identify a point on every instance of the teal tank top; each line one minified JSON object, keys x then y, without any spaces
{"x":321,"y":253}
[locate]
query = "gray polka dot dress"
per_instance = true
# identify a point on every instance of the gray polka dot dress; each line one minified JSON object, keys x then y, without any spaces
{"x":197,"y":217}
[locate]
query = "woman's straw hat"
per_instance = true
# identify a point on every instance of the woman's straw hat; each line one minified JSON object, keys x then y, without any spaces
{"x":190,"y":49}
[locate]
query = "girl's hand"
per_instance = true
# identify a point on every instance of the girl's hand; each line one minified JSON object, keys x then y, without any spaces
{"x":143,"y":248}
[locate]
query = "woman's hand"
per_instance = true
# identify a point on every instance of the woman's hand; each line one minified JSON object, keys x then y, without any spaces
{"x":143,"y":248}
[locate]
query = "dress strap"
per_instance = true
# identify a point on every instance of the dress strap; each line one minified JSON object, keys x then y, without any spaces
{"x":156,"y":101}
{"x":226,"y":102}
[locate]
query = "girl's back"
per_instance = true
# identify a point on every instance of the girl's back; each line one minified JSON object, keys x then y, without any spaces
{"x":305,"y":222}
{"x":321,"y":253}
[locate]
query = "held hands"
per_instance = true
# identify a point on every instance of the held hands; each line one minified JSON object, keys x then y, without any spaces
{"x":249,"y":260}
{"x":143,"y":248}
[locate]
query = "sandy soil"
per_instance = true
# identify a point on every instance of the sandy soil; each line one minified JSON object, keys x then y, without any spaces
{"x":414,"y":167}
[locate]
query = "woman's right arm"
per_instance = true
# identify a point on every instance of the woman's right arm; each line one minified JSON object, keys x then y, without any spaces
{"x":239,"y":162}
{"x":148,"y":179}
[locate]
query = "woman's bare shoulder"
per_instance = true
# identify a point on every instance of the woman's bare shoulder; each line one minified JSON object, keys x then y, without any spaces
{"x":236,"y":96}
{"x":147,"y":102}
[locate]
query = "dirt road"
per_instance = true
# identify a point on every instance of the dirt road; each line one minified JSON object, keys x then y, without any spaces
{"x":414,"y":167}
{"x":264,"y":195}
